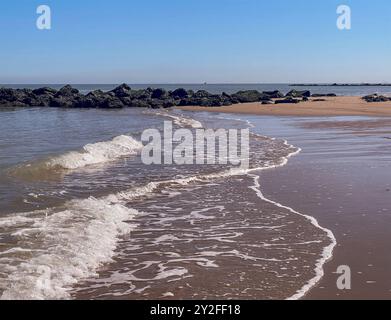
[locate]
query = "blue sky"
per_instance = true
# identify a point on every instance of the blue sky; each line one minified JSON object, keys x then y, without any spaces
{"x":193,"y":41}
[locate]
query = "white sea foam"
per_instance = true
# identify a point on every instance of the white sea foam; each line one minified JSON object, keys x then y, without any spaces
{"x":248,"y":122}
{"x":327,"y":251}
{"x":77,"y":240}
{"x":187,"y":122}
{"x":181,"y":120}
{"x":74,"y":242}
{"x":96,"y":153}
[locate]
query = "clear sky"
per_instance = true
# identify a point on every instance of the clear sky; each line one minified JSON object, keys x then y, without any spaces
{"x":193,"y":41}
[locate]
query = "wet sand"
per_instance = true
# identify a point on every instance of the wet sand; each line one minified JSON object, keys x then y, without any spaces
{"x":333,"y":106}
{"x":343,"y":179}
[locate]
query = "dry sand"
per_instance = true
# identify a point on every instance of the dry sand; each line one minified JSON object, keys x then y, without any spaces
{"x":334,"y":106}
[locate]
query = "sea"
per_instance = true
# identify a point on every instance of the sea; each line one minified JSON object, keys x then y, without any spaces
{"x":82,"y":217}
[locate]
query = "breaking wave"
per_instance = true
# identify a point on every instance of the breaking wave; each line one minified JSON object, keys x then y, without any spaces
{"x":96,"y":153}
{"x":91,"y":154}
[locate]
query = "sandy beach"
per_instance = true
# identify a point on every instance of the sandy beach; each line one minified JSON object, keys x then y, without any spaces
{"x":333,"y":106}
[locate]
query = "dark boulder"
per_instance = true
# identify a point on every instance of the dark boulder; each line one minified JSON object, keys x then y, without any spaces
{"x":220,"y":100}
{"x":127,"y":101}
{"x":67,"y":91}
{"x":321,"y":95}
{"x":287,"y":100}
{"x":234,"y":99}
{"x":111,"y":103}
{"x":158,"y":103}
{"x":66,"y":97}
{"x":93,"y":99}
{"x":95,"y":94}
{"x":273,"y":94}
{"x":39,"y":101}
{"x":376,"y":98}
{"x":202,"y":102}
{"x":169,"y":103}
{"x":298,"y":94}
{"x":4,"y":103}
{"x":248,"y":96}
{"x":179,"y":94}
{"x":86,"y":103}
{"x":7,"y":94}
{"x":33,"y":101}
{"x":201,"y":94}
{"x":61,"y":102}
{"x":44,"y":91}
{"x":21,"y":97}
{"x":159,"y":94}
{"x":265,"y":98}
{"x":209,"y":101}
{"x":13,"y":104}
{"x":122,"y":91}
{"x":228,"y":99}
{"x":140,"y":94}
{"x":138,"y":103}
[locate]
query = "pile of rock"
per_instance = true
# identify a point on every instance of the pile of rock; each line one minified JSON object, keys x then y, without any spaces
{"x":376,"y":98}
{"x":68,"y":97}
{"x":295,"y":96}
{"x":123,"y":96}
{"x":321,"y":95}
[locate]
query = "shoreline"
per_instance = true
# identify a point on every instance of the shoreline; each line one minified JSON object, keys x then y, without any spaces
{"x":327,"y":254}
{"x":325,"y":181}
{"x":332,"y":106}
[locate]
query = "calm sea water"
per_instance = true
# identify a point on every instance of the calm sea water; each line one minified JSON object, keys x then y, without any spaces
{"x":82,"y":217}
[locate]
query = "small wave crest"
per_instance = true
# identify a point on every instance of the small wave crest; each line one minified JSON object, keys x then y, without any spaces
{"x":96,"y":153}
{"x":180,"y":120}
{"x":91,"y":154}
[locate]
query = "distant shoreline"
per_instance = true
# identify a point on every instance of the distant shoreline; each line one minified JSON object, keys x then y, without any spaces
{"x":341,"y":85}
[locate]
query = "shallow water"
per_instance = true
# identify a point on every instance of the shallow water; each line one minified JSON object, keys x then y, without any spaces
{"x":82,"y":217}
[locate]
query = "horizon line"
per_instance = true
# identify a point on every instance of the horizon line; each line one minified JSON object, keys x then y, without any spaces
{"x":200,"y":83}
